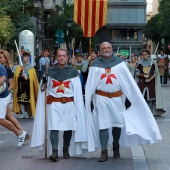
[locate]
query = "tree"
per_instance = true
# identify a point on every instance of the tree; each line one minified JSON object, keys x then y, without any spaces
{"x":164,"y":20}
{"x":16,"y":15}
{"x":6,"y":28}
{"x":58,"y":20}
{"x":158,"y":26}
{"x":152,"y":29}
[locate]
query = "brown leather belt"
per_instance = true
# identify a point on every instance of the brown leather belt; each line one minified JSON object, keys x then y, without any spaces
{"x":109,"y":95}
{"x":51,"y":99}
{"x":161,"y":66}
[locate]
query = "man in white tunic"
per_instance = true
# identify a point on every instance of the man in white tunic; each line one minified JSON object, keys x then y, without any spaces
{"x":65,"y":109}
{"x":109,"y":83}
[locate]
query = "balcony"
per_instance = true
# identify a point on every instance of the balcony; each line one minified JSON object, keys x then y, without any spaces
{"x":49,"y":5}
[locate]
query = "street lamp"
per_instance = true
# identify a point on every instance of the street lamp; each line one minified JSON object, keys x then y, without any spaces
{"x":69,"y":25}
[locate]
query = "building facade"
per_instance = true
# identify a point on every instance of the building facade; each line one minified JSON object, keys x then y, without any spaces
{"x":154,"y":11}
{"x":124,"y":27}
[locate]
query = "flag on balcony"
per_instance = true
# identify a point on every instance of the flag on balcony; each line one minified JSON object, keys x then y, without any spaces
{"x":90,"y":15}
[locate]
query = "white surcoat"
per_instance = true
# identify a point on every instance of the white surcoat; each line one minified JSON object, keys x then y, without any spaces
{"x":68,"y":116}
{"x":110,"y":111}
{"x":137,"y":122}
{"x":61,"y":116}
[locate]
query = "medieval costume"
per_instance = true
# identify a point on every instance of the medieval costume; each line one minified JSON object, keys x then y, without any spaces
{"x":65,"y":114}
{"x":82,"y":69}
{"x":109,"y":83}
{"x":151,"y":90}
{"x":162,"y":62}
{"x":25,"y":90}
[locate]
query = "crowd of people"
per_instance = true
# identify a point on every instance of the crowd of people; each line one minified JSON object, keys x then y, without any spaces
{"x":85,"y":100}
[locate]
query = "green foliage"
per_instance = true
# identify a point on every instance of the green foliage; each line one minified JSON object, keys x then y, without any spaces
{"x":59,"y":21}
{"x":6,"y":29}
{"x":15,"y":17}
{"x":164,"y":12}
{"x":21,"y":22}
{"x":152,"y":29}
{"x":158,"y":26}
{"x":15,"y":14}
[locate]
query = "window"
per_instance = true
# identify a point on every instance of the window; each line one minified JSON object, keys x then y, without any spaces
{"x":125,"y":35}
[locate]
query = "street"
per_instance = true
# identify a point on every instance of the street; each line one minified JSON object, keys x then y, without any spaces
{"x":145,"y":157}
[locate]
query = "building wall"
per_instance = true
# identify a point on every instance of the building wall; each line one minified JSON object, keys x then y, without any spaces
{"x":125,"y":18}
{"x":124,"y":27}
{"x":155,"y":5}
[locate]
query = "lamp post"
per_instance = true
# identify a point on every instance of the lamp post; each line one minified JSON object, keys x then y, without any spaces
{"x":69,"y":25}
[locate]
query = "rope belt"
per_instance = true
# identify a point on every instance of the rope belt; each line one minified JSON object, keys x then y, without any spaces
{"x":109,"y":95}
{"x":51,"y":99}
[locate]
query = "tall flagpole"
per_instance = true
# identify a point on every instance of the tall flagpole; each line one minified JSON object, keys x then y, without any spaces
{"x":89,"y":45}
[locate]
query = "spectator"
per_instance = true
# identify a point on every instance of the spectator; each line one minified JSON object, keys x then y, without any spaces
{"x":4,"y":100}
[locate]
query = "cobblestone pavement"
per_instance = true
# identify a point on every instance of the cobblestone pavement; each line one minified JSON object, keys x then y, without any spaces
{"x":146,"y":157}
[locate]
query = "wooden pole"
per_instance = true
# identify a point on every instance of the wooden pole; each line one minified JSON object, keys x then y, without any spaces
{"x":45,"y":124}
{"x":89,"y":46}
{"x":73,"y":55}
{"x":45,"y":113}
{"x":72,"y":44}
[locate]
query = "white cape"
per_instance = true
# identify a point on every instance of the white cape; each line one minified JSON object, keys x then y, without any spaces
{"x":79,"y":142}
{"x":140,"y":125}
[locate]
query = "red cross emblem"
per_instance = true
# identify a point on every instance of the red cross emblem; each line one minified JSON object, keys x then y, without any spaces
{"x":62,"y":85}
{"x":108,"y":75}
{"x":162,"y":60}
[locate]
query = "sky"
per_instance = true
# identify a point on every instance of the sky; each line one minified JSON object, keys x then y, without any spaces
{"x":149,"y":5}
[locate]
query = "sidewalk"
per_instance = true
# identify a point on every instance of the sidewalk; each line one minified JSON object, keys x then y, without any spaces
{"x":146,"y":157}
{"x":158,"y":155}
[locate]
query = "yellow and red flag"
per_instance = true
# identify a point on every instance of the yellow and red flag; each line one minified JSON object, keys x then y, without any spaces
{"x":90,"y":15}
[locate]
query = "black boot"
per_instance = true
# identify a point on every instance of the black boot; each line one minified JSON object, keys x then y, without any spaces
{"x":116,"y":153}
{"x":66,"y":154}
{"x":104,"y":156}
{"x":54,"y":155}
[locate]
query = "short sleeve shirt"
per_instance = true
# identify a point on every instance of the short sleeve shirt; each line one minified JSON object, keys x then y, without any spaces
{"x":10,"y":73}
{"x":44,"y":60}
{"x":3,"y":72}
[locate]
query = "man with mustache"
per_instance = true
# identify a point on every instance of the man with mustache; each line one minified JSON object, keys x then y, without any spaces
{"x":109,"y":83}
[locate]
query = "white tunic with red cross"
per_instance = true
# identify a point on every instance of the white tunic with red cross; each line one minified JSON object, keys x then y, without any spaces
{"x":61,"y":116}
{"x":137,"y":122}
{"x":109,"y":111}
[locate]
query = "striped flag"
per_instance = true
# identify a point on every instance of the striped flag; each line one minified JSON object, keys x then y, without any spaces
{"x":90,"y":15}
